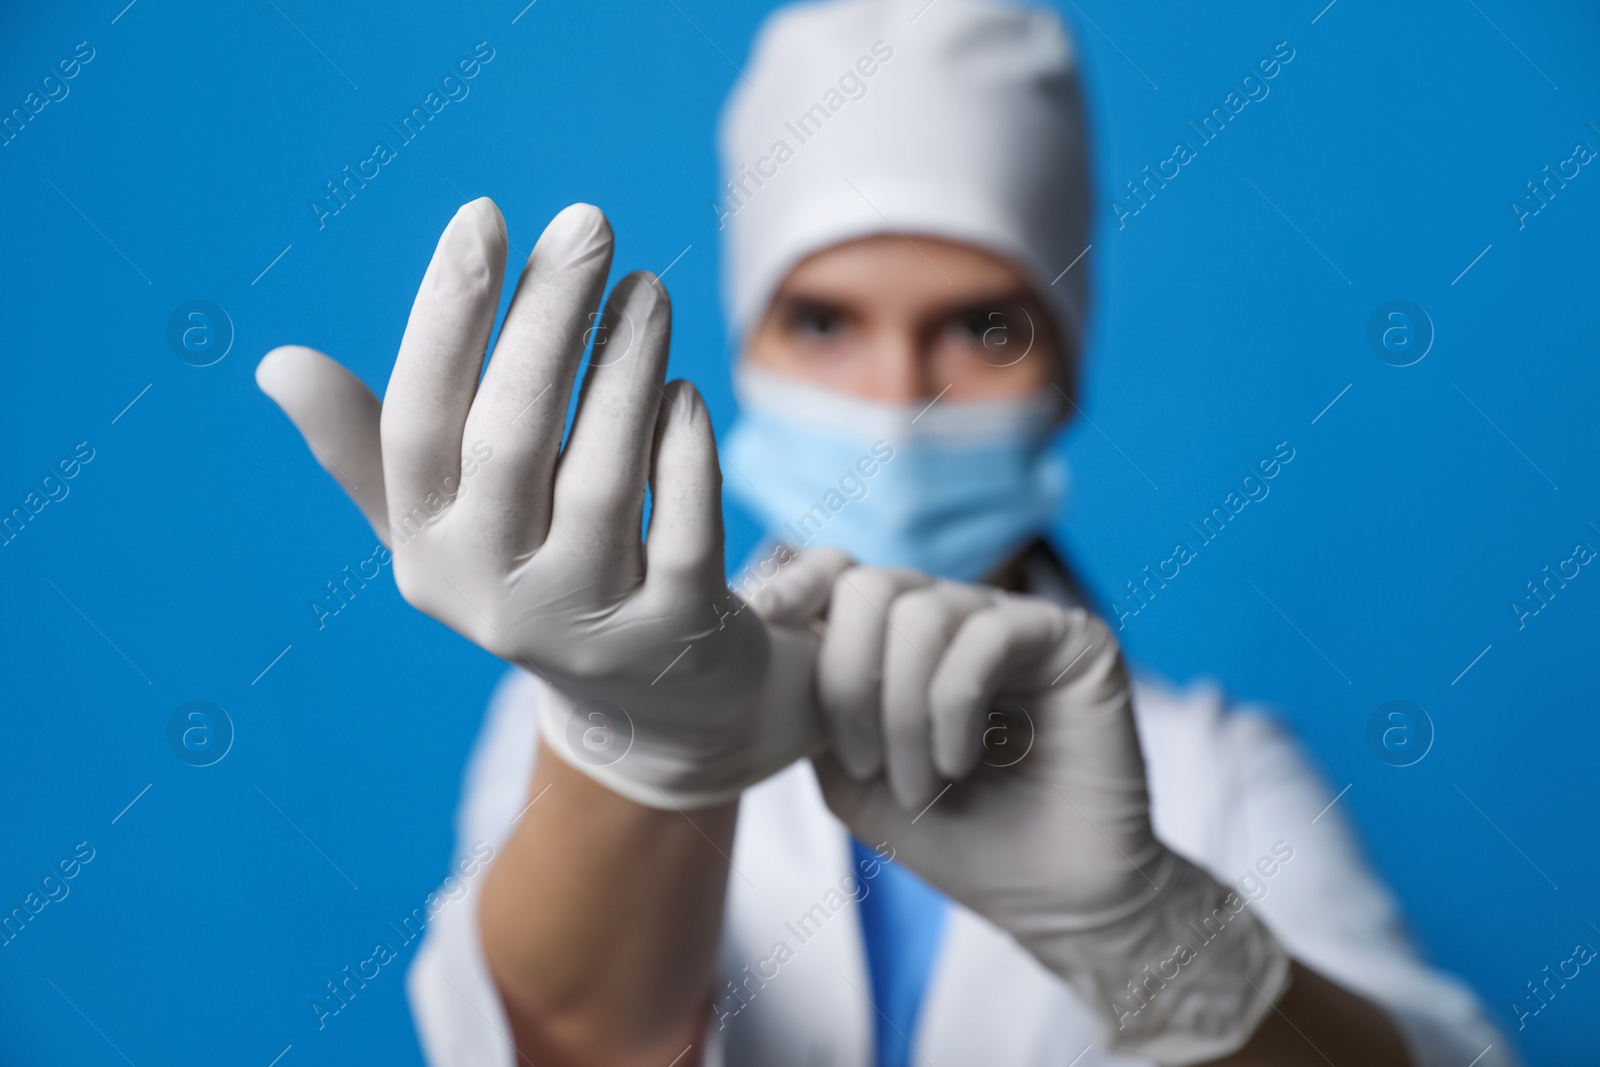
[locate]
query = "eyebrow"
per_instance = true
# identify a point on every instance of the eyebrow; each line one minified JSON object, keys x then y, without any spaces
{"x":849,"y":303}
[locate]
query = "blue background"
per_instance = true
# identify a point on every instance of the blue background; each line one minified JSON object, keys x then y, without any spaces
{"x":189,"y":548}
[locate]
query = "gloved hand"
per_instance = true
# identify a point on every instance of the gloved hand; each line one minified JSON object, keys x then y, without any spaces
{"x":664,"y":689}
{"x":989,"y":738}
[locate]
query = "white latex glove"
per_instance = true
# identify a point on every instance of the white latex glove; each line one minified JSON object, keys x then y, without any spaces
{"x":989,"y":738}
{"x":664,"y":689}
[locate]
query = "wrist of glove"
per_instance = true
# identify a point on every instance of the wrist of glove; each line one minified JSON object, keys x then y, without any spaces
{"x":1183,"y":973}
{"x":700,"y":760}
{"x":704,"y":749}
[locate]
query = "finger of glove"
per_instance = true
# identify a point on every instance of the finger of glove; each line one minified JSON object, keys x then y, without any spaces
{"x":600,"y":481}
{"x":338,"y":416}
{"x":436,"y":373}
{"x":521,"y":407}
{"x":921,"y":625}
{"x":850,"y":665}
{"x":1091,"y":743}
{"x":1098,"y":738}
{"x":985,"y":652}
{"x":800,"y":589}
{"x":683,"y":550}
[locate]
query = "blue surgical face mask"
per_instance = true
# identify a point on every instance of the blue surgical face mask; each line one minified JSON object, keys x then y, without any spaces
{"x":951,"y":489}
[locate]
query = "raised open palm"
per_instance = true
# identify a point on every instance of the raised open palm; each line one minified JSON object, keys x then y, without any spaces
{"x":664,"y":689}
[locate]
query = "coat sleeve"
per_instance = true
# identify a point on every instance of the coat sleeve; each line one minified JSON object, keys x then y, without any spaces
{"x":459,"y":1016}
{"x":1272,"y":830}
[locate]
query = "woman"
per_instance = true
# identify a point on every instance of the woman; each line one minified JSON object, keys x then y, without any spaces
{"x":1109,"y":873}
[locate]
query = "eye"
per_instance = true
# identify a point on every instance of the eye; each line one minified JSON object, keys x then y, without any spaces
{"x":985,"y":328}
{"x":1000,"y":334}
{"x":816,"y":322}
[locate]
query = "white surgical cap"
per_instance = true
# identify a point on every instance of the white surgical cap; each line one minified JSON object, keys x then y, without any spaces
{"x":957,"y":119}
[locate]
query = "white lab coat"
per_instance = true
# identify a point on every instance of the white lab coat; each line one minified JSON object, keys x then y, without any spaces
{"x":1225,"y":785}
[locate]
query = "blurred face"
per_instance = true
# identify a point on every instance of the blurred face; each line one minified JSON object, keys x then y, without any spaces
{"x":892,"y":321}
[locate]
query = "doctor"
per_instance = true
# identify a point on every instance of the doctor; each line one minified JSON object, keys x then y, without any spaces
{"x":1000,"y":849}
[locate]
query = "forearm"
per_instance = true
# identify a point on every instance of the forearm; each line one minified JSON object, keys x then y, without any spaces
{"x":600,"y":922}
{"x":1319,"y":1023}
